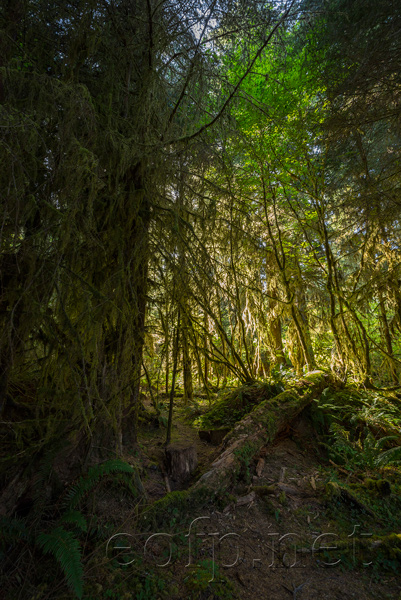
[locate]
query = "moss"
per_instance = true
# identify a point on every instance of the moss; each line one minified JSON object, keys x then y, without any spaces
{"x":381,"y":486}
{"x":266,"y":414}
{"x":314,"y":377}
{"x":385,"y":550}
{"x":263,"y":490}
{"x":244,"y":455}
{"x":174,"y":507}
{"x":283,"y":499}
{"x":369,"y":483}
{"x":333,"y":490}
{"x":232,"y":407}
{"x":391,"y":546}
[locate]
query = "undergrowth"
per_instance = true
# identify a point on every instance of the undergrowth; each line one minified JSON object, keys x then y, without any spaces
{"x":359,"y":430}
{"x":62,"y":527}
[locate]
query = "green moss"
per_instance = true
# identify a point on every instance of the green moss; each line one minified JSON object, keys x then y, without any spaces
{"x":333,"y":490}
{"x":266,"y":414}
{"x":263,"y":490}
{"x":174,"y":507}
{"x":199,"y":582}
{"x":382,"y":553}
{"x":381,"y":486}
{"x":232,"y":407}
{"x":244,"y":456}
{"x":315,"y":377}
{"x":283,"y":499}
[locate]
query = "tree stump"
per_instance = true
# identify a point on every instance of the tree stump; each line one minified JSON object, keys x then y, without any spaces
{"x":181,"y":461}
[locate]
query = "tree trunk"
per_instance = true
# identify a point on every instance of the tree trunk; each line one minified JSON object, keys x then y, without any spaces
{"x":175,"y":360}
{"x":186,"y":362}
{"x":276,"y":335}
{"x":387,"y":340}
{"x":259,"y":428}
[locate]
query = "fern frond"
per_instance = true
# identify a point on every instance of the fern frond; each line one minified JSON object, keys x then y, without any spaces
{"x":126,"y":483}
{"x":389,"y":456}
{"x":75,"y":518}
{"x":88,"y":481}
{"x":66,"y":549}
{"x":387,"y":438}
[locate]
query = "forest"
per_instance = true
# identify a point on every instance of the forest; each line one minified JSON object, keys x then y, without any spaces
{"x":200,"y":296}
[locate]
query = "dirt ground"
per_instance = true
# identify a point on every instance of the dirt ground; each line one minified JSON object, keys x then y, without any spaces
{"x":281,"y":546}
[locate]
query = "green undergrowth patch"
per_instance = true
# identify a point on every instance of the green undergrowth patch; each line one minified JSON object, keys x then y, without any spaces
{"x":168,"y":520}
{"x":61,"y":527}
{"x":359,"y":429}
{"x":175,"y":508}
{"x":376,"y":502}
{"x":231,"y":407}
{"x":206,"y":580}
{"x":245,"y":456}
{"x":363,"y":517}
{"x":363,"y":550}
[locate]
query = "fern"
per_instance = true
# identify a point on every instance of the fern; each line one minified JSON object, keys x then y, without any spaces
{"x":77,"y":492}
{"x":385,"y":440}
{"x":126,"y":483}
{"x":66,"y":549}
{"x":389,"y":456}
{"x":75,"y":518}
{"x":45,"y":476}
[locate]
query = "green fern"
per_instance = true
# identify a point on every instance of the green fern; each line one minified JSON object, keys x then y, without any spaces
{"x":77,"y":492}
{"x":45,"y":476}
{"x":66,"y":549}
{"x":75,"y":518}
{"x":385,"y":440}
{"x":127,"y":484}
{"x":391,"y":456}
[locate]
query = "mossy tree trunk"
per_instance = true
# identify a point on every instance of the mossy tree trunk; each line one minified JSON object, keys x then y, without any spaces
{"x":259,"y":428}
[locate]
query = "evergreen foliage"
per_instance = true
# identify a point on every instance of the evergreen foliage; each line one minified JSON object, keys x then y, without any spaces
{"x":194,"y":196}
{"x":85,"y":484}
{"x":66,"y":549}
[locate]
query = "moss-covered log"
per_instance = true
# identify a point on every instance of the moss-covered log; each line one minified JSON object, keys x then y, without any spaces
{"x":259,"y":428}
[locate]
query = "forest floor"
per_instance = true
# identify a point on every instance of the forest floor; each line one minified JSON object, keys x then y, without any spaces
{"x":291,"y":544}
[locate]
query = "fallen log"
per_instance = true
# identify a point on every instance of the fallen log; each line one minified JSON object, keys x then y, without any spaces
{"x":260,"y":427}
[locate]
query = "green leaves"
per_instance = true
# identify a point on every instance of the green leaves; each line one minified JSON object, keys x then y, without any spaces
{"x":88,"y":481}
{"x":65,"y":547}
{"x":75,"y":518}
{"x":391,"y":456}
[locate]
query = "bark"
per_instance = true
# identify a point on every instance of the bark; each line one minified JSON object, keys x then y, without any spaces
{"x":181,"y":461}
{"x":276,"y":335}
{"x":175,"y":360}
{"x":137,"y":273}
{"x":205,"y":345}
{"x":186,"y":362}
{"x":387,"y":339}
